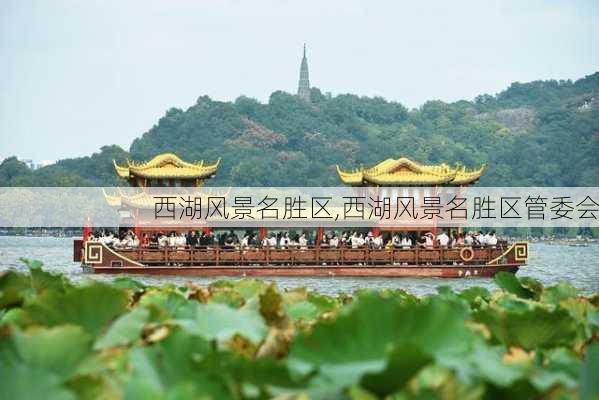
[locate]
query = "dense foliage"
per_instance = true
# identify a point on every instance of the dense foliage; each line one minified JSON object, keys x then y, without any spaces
{"x":248,"y":340}
{"x":543,"y":133}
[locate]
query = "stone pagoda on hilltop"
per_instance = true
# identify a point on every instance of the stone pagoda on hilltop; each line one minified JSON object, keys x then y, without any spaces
{"x":303,"y":89}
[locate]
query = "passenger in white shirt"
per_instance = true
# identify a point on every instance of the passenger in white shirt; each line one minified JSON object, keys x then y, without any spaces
{"x":378,"y":242}
{"x":162,"y":241}
{"x":303,"y":242}
{"x":443,"y":239}
{"x":181,"y":240}
{"x":245,"y":242}
{"x":428,"y":240}
{"x":492,"y":240}
{"x":108,"y":239}
{"x":354,"y":240}
{"x":334,"y":242}
{"x":272,"y":241}
{"x":124,"y":243}
{"x":486,"y":238}
{"x":284,"y":242}
{"x":468,"y":239}
{"x":127,"y":240}
{"x":361,"y":240}
{"x":172,"y":240}
{"x":134,"y":241}
{"x":480,"y":238}
{"x":368,"y":239}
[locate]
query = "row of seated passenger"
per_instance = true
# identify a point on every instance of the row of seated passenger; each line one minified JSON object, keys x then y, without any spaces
{"x":284,"y":240}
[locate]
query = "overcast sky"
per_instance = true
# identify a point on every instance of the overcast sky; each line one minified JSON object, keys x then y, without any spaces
{"x":76,"y":75}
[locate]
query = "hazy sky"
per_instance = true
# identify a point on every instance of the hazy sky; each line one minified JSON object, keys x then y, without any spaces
{"x":76,"y":75}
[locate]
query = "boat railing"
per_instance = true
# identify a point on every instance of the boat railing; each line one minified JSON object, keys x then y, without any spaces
{"x":310,"y":255}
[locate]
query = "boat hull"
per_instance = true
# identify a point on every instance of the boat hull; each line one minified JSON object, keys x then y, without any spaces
{"x":438,"y":271}
{"x":211,"y":262}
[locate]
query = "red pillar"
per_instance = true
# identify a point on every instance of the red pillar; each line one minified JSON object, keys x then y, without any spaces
{"x":87,"y":228}
{"x":262,"y":233}
{"x":319,"y":235}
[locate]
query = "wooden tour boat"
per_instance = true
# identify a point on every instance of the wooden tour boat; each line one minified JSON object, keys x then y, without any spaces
{"x":317,"y":260}
{"x":312,"y":261}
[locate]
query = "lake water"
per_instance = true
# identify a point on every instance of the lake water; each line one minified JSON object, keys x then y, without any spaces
{"x":549,"y":264}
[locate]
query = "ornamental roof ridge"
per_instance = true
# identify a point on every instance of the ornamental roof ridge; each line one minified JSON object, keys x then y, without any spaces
{"x":177,"y":168}
{"x":404,"y":171}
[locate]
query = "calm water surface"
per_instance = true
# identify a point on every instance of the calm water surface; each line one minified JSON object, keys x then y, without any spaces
{"x":548,"y":263}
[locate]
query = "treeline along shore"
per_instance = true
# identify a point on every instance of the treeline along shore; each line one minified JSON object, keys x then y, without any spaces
{"x":542,"y":133}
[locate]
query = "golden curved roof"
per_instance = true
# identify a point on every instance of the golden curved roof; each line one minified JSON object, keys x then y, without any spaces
{"x":166,"y":165}
{"x":405,"y":172}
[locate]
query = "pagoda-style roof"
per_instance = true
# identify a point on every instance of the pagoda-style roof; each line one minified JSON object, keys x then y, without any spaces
{"x":405,"y":172}
{"x":166,"y":165}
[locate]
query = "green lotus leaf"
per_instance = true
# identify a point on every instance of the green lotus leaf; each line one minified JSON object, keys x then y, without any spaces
{"x":561,"y":291}
{"x":10,"y":297}
{"x":589,"y":374}
{"x":483,"y":363}
{"x":150,"y":379}
{"x":17,"y":317}
{"x":35,"y":363}
{"x":222,"y":284}
{"x":91,"y":307}
{"x":110,"y":363}
{"x":593,"y":318}
{"x":532,"y":285}
{"x":562,"y":368}
{"x":22,"y":382}
{"x":163,"y":304}
{"x":42,"y":280}
{"x":519,"y":390}
{"x":403,"y":363}
{"x":435,"y":382}
{"x":227,"y":296}
{"x":445,"y":293}
{"x":304,"y":310}
{"x":170,"y":369}
{"x":271,"y":306}
{"x":31,"y":264}
{"x":94,"y":388}
{"x":59,"y":349}
{"x":221,"y":322}
{"x":582,"y":311}
{"x":65,"y":342}
{"x":363,"y":336}
{"x":358,"y":393}
{"x":355,"y":343}
{"x":526,"y":324}
{"x":473,"y":294}
{"x":265,"y":374}
{"x":324,"y":304}
{"x":295,"y":295}
{"x":125,"y":329}
{"x":249,"y":288}
{"x":128,"y":283}
{"x":13,"y":288}
{"x":511,"y":284}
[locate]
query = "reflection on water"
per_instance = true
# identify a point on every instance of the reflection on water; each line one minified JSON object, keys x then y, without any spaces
{"x":548,"y":263}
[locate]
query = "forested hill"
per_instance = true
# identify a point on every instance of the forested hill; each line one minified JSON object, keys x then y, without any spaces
{"x":542,"y":133}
